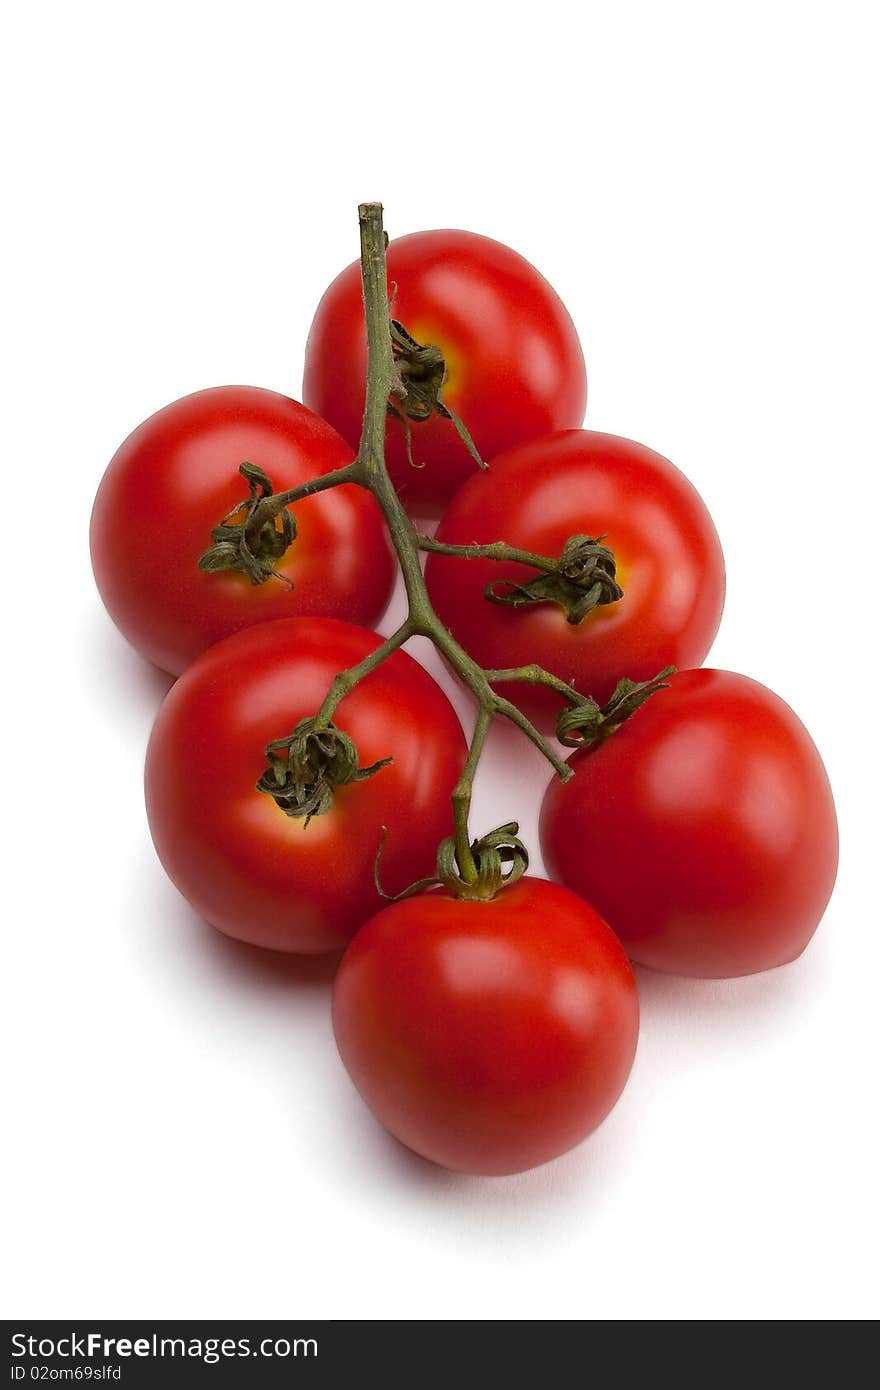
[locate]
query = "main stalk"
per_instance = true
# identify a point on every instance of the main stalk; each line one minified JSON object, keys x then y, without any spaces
{"x":382,"y":383}
{"x":310,"y":762}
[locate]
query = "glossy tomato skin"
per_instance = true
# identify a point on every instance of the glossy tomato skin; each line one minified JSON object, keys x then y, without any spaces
{"x":704,"y":829}
{"x":669,"y":564}
{"x":175,"y":478}
{"x":514,"y":362}
{"x":488,"y":1037}
{"x":244,"y":865}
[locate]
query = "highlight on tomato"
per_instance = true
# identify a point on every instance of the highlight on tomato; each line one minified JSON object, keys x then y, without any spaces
{"x":269,"y":826}
{"x":702,"y":827}
{"x":488,"y":1036}
{"x":632,"y":577}
{"x":487,"y":354}
{"x":175,"y":495}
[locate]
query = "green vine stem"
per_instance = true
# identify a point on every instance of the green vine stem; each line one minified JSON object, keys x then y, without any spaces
{"x":536,"y":675}
{"x":461,"y":798}
{"x":422,"y":620}
{"x":270,"y":507}
{"x":581,"y":578}
{"x":495,"y":550}
{"x":249,"y":538}
{"x":346,"y":681}
{"x":370,"y":472}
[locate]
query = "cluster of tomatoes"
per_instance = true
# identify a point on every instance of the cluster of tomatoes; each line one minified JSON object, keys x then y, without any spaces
{"x":489,"y":1030}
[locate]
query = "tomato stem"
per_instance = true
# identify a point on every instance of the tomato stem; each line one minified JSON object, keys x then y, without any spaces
{"x":381,"y":380}
{"x":306,"y":768}
{"x":470,"y":870}
{"x":496,"y":550}
{"x":269,"y":507}
{"x":461,"y":798}
{"x":248,"y":538}
{"x":346,"y":681}
{"x":579,"y":580}
{"x":587,"y":723}
{"x":417,"y":391}
{"x":490,"y":856}
{"x":536,"y":675}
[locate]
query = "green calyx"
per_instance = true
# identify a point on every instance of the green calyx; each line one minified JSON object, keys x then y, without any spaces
{"x":500,"y":858}
{"x":587,"y":724}
{"x":254,"y":536}
{"x":421,"y":376}
{"x":582,"y":579}
{"x":306,"y":768}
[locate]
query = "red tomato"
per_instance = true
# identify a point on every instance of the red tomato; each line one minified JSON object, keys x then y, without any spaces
{"x":703,"y":829}
{"x":669,"y":564}
{"x":515,"y":368}
{"x":244,"y":864}
{"x":176,"y":477}
{"x":488,"y":1036}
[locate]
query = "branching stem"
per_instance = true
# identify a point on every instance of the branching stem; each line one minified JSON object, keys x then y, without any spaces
{"x":271,"y":506}
{"x":369,"y":470}
{"x":371,"y":458}
{"x":535,"y":675}
{"x":461,"y":797}
{"x":497,"y":550}
{"x":345,"y":682}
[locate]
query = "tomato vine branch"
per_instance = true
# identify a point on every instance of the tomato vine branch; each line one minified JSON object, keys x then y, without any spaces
{"x":346,"y":681}
{"x":536,"y":675}
{"x":270,"y":507}
{"x":581,"y":578}
{"x":257,"y":532}
{"x":479,"y":866}
{"x":422,"y":620}
{"x":461,"y":798}
{"x":495,"y":550}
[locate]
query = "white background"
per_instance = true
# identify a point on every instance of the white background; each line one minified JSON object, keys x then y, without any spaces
{"x":180,"y":181}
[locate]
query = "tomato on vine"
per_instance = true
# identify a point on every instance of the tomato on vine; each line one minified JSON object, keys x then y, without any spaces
{"x":269,"y":822}
{"x":177,"y":483}
{"x":703,"y":827}
{"x":480,"y":339}
{"x":631,"y":574}
{"x":488,"y":1036}
{"x":488,"y":1019}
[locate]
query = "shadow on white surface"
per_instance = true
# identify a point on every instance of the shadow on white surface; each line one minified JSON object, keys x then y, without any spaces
{"x":746,"y":1007}
{"x":383,"y":1169}
{"x":235,"y":962}
{"x":120,"y":677}
{"x":280,"y":1005}
{"x":392,"y":1163}
{"x":268,"y":1015}
{"x":172,"y":932}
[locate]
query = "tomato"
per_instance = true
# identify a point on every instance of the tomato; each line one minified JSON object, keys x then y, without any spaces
{"x":176,"y":477}
{"x":703,"y":828}
{"x":488,"y":1036}
{"x":514,"y":365}
{"x":239,"y":859}
{"x":578,"y":482}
